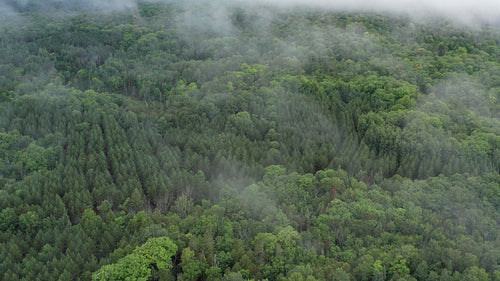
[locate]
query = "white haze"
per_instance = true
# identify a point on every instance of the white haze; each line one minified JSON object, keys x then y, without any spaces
{"x":113,"y":4}
{"x":6,"y":10}
{"x":13,"y":7}
{"x":468,"y":12}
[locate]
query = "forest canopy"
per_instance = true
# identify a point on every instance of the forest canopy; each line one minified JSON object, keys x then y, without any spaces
{"x":159,"y":140}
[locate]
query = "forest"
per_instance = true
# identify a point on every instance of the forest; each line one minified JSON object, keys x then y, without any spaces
{"x":189,"y":141}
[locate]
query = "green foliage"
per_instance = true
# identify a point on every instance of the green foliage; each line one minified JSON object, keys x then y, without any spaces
{"x":192,"y":142}
{"x":191,"y":267}
{"x":154,"y":255}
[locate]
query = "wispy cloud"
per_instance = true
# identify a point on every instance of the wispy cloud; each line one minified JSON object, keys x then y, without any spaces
{"x":467,"y":12}
{"x":10,"y":7}
{"x":470,"y":12}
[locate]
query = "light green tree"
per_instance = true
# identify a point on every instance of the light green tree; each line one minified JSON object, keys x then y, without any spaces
{"x":146,"y":260}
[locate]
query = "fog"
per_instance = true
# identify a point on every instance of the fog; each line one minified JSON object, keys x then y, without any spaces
{"x":463,"y":12}
{"x":467,"y":12}
{"x":12,"y":7}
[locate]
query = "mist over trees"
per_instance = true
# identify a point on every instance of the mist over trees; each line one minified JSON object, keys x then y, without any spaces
{"x":161,"y":140}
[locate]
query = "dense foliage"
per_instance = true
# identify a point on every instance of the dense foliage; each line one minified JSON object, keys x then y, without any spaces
{"x":200,"y":142}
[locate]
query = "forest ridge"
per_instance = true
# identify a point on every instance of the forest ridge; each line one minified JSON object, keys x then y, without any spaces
{"x":246,"y":142}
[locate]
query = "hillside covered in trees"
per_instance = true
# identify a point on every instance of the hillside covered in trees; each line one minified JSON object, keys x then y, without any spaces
{"x":200,"y":141}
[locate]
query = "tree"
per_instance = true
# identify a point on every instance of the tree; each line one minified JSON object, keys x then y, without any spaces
{"x":191,"y":267}
{"x":146,"y":261}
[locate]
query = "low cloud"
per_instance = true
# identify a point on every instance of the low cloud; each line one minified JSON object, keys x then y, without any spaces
{"x":12,"y":7}
{"x":115,"y":5}
{"x":6,"y":9}
{"x":468,"y":12}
